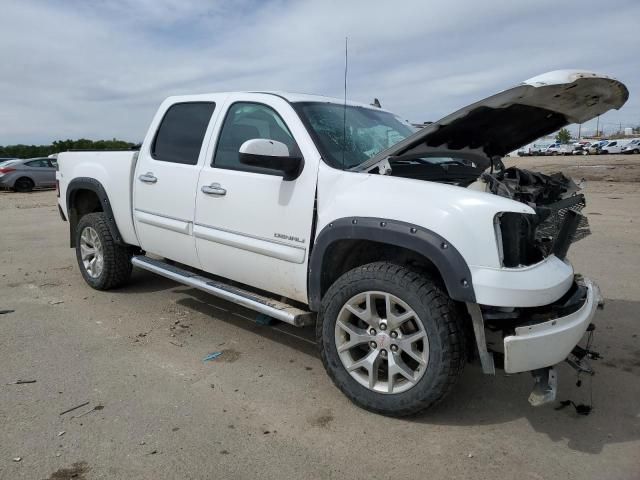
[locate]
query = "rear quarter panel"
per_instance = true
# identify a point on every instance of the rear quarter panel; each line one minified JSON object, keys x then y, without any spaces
{"x":114,"y":170}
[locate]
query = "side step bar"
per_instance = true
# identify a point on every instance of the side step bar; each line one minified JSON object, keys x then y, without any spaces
{"x":268,"y":306}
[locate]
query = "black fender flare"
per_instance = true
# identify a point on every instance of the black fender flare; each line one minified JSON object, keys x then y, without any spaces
{"x":446,"y":258}
{"x":91,"y":184}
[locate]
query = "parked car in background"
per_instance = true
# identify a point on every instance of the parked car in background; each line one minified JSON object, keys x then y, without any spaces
{"x":613,"y":146}
{"x":632,"y":147}
{"x":538,"y":148}
{"x":25,"y":175}
{"x":582,"y":147}
{"x":552,"y":149}
{"x":595,"y":146}
{"x":558,"y":149}
{"x":525,"y":151}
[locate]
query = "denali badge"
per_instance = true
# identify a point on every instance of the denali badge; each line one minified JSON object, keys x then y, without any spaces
{"x":288,"y":237}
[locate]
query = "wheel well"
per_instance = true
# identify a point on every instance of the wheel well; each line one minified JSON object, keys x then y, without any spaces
{"x":81,"y":202}
{"x":344,"y":255}
{"x":24,"y":177}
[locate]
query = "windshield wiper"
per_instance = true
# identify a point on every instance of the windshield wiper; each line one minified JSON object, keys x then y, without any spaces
{"x":425,"y":161}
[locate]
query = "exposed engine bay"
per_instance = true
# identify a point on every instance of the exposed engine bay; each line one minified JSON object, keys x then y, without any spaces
{"x":526,"y":239}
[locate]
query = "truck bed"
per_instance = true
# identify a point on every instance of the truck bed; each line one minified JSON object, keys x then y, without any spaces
{"x":114,"y":170}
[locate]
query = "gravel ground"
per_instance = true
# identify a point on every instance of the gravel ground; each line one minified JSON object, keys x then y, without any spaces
{"x":265,"y":408}
{"x":609,"y":168}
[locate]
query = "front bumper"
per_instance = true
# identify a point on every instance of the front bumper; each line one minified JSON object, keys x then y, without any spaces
{"x":545,"y":344}
{"x":531,"y":286}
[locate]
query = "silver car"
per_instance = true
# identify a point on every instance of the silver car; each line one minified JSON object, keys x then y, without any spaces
{"x":25,"y":175}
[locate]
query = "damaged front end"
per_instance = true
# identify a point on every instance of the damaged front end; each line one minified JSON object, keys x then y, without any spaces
{"x":525,"y":239}
{"x":536,"y":339}
{"x":529,"y":300}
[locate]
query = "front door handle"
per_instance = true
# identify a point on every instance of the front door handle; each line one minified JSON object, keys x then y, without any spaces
{"x":214,"y":189}
{"x":148,"y":178}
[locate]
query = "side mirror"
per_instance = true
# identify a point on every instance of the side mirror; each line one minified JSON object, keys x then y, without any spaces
{"x":264,"y":153}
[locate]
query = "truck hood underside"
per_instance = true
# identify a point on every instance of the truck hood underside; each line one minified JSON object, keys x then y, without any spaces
{"x":512,"y":118}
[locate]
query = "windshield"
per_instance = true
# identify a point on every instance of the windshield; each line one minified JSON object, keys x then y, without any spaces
{"x":347,"y":137}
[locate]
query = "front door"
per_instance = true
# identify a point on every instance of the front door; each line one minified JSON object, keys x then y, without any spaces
{"x":166,"y":178}
{"x":251,"y":226}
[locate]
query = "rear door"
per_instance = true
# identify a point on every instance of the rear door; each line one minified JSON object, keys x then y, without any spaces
{"x":166,"y":178}
{"x":251,"y":226}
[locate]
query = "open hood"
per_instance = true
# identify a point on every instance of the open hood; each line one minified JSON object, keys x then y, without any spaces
{"x":515,"y":117}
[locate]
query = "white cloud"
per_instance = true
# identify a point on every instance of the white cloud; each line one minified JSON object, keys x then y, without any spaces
{"x":98,"y":70}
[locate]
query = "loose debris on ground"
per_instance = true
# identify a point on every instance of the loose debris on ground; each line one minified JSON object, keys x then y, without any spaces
{"x":211,"y":356}
{"x":75,"y":408}
{"x":21,"y":382}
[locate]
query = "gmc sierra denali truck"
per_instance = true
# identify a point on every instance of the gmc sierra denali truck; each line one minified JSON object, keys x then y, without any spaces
{"x":410,"y":250}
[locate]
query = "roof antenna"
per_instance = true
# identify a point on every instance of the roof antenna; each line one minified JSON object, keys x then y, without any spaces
{"x":344,"y":109}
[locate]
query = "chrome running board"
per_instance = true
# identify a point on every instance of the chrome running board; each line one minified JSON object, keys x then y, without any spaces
{"x":268,"y":306}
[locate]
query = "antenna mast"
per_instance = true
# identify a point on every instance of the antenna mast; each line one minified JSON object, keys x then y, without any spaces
{"x":344,"y":109}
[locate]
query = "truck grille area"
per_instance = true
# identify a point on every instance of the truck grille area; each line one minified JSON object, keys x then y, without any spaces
{"x":561,"y":224}
{"x":527,"y":239}
{"x":558,"y":222}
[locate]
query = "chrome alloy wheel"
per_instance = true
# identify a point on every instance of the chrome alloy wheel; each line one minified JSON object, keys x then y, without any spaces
{"x":91,"y":252}
{"x":381,"y":342}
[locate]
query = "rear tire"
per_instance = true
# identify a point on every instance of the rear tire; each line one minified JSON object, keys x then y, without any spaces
{"x":425,"y":370}
{"x":23,"y":185}
{"x":104,"y":264}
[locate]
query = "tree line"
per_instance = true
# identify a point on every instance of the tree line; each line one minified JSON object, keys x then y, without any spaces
{"x":31,"y":151}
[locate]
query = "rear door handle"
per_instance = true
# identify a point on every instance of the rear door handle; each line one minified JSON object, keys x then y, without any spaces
{"x":148,"y":178}
{"x":214,"y":189}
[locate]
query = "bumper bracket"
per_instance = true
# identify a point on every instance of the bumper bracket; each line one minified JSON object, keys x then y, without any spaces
{"x":486,"y":358}
{"x":545,"y":388}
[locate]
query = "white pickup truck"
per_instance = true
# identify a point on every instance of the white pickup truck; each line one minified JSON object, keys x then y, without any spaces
{"x":409,"y":250}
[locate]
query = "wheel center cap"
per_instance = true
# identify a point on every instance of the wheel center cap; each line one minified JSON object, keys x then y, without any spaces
{"x":383,"y":340}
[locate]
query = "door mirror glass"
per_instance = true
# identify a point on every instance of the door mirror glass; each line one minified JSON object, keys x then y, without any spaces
{"x":265,"y":153}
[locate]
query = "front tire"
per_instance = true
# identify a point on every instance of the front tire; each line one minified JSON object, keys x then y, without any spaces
{"x":390,"y":339}
{"x":104,"y":264}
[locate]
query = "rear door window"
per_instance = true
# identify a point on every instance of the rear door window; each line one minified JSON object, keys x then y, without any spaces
{"x":181,"y":132}
{"x":39,"y":163}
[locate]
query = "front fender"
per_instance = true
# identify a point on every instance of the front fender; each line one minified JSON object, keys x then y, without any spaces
{"x":449,"y":262}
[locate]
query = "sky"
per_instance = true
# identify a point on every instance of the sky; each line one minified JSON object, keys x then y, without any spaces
{"x":99,"y":69}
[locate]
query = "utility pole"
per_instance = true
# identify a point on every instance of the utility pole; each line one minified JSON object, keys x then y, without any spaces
{"x":579,"y":130}
{"x":598,"y":127}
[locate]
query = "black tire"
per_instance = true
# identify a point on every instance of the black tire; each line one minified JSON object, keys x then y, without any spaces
{"x":117,"y":266}
{"x":23,"y":185}
{"x":440,"y":316}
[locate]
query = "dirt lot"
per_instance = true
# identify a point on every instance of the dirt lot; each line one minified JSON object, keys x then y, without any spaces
{"x":265,"y":408}
{"x":608,"y":168}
